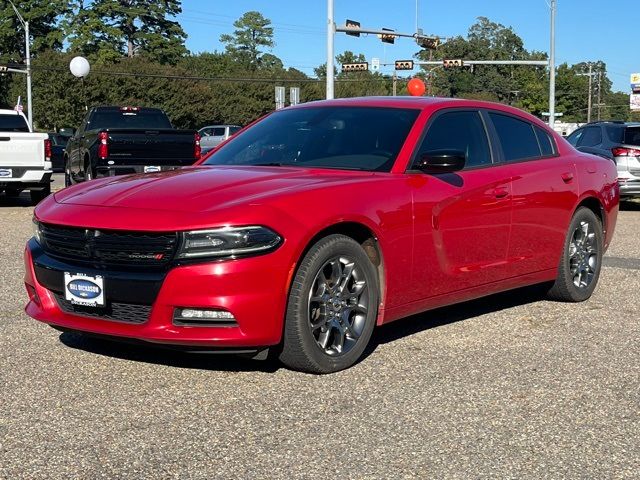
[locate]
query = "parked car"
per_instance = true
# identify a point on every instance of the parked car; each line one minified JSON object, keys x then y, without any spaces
{"x":121,"y":140}
{"x":618,"y":141}
{"x":214,"y":135}
{"x":320,"y":222}
{"x":58,"y":145}
{"x":25,"y":157}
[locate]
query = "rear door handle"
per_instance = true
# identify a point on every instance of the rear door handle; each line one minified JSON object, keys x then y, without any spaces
{"x":567,"y":177}
{"x":500,"y":192}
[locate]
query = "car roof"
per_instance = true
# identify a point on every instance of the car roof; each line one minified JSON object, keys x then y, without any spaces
{"x":422,"y":103}
{"x":4,"y":111}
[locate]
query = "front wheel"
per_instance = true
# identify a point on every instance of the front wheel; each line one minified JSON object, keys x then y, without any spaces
{"x":332,"y":308}
{"x":581,"y":260}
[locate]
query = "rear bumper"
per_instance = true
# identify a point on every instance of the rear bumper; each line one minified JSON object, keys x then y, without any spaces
{"x":253,"y":289}
{"x":27,"y":177}
{"x":629,"y":187}
{"x":113,"y":170}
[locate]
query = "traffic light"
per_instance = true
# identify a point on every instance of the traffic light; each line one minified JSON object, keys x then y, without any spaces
{"x":3,"y":68}
{"x":430,"y":43}
{"x":387,"y":37}
{"x":404,"y":64}
{"x":355,"y":67}
{"x":352,"y":24}
{"x":452,"y":63}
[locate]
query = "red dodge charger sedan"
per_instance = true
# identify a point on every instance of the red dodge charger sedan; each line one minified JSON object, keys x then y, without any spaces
{"x":317,"y":223}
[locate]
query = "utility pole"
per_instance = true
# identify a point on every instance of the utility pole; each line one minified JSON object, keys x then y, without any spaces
{"x":552,"y":66}
{"x":28,"y":62}
{"x":599,"y":85}
{"x":590,"y":74}
{"x":395,"y":83}
{"x":331,"y":30}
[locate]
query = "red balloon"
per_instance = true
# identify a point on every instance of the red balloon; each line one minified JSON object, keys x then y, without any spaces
{"x":416,"y":87}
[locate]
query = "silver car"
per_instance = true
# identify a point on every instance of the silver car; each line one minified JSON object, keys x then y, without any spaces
{"x":213,"y":135}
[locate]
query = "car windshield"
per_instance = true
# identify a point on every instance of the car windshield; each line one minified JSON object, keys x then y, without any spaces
{"x":354,"y":138}
{"x":13,"y":123}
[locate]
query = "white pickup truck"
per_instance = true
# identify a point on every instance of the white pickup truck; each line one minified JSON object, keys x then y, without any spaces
{"x":25,"y":157}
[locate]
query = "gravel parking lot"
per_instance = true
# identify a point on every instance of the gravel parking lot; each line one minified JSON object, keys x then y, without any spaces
{"x":509,"y":386}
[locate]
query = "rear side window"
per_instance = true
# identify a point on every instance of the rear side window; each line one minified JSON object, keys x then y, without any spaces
{"x":517,"y":137}
{"x":632,"y":136}
{"x":218,"y":132}
{"x":545,"y":141}
{"x":13,"y":123}
{"x":462,"y":131}
{"x":615,"y":133}
{"x":591,"y":137}
{"x":574,"y":137}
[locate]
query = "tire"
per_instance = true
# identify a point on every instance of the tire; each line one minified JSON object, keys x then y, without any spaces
{"x":67,"y":173}
{"x":581,"y":259}
{"x":322,"y":312}
{"x":38,"y":195}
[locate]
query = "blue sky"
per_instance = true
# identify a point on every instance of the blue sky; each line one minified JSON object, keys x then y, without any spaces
{"x":585,"y":29}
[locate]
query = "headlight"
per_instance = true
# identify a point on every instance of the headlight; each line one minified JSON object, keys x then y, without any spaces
{"x":227,"y":241}
{"x":36,"y":230}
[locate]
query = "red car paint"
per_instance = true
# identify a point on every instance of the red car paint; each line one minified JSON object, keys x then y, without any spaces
{"x":503,"y":228}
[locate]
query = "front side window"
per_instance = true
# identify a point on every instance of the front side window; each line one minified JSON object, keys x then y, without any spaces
{"x":462,"y":131}
{"x":218,"y":132}
{"x":353,"y":138}
{"x":516,"y":136}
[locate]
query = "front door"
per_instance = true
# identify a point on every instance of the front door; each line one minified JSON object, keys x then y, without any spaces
{"x":462,"y":220}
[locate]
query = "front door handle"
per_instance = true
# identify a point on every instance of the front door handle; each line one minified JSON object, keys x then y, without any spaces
{"x":567,"y":177}
{"x":500,"y":192}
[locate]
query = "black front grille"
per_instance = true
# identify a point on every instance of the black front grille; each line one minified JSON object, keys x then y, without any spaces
{"x":109,"y":247}
{"x":117,"y":312}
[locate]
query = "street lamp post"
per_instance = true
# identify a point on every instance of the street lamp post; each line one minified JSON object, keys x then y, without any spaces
{"x":330,"y":38}
{"x":552,"y":66}
{"x":27,"y":61}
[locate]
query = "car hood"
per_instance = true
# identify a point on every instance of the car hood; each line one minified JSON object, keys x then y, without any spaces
{"x":202,"y":189}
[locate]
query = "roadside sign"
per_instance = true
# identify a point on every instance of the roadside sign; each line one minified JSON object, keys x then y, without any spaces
{"x":375,"y":64}
{"x":280,"y":97}
{"x":634,"y":102}
{"x":635,"y":82}
{"x":294,"y":95}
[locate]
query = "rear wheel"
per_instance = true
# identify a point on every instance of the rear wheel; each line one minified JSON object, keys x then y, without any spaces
{"x":332,"y":307}
{"x":581,"y":260}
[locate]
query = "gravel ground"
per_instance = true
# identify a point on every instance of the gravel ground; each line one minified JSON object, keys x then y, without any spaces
{"x":509,"y":386}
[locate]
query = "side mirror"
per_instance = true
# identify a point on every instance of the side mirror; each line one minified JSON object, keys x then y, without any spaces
{"x":441,"y":161}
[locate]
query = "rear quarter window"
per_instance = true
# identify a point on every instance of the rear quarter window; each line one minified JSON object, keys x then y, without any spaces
{"x":591,"y":137}
{"x":517,"y":137}
{"x":632,"y":136}
{"x":547,"y":145}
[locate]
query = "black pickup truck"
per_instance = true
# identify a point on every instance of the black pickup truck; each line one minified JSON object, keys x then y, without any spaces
{"x":121,"y":140}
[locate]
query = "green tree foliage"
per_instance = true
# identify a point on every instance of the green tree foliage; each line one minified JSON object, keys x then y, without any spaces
{"x":111,"y":28}
{"x":252,"y":33}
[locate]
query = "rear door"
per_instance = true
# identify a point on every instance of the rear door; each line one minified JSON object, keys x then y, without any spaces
{"x":462,"y":219}
{"x":545,"y":190}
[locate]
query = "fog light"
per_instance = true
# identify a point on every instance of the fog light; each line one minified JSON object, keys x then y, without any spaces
{"x":197,"y":316}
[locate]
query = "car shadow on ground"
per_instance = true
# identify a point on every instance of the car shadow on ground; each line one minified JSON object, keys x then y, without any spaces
{"x":157,"y":355}
{"x":455,"y":313}
{"x":234,"y":363}
{"x":630,"y":206}
{"x":22,"y":200}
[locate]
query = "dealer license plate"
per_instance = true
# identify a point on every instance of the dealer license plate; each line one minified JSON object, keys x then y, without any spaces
{"x":81,"y":289}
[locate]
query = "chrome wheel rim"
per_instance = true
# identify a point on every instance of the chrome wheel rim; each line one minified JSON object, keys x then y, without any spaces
{"x":338,"y":305}
{"x":583,"y":255}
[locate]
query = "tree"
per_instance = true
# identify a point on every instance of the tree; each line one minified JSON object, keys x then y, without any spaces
{"x":109,"y":28}
{"x":252,"y":33}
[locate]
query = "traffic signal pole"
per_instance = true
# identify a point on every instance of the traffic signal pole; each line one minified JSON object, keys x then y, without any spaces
{"x":552,"y":66}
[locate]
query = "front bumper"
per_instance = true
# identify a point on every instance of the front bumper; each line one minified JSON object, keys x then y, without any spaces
{"x":253,"y":289}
